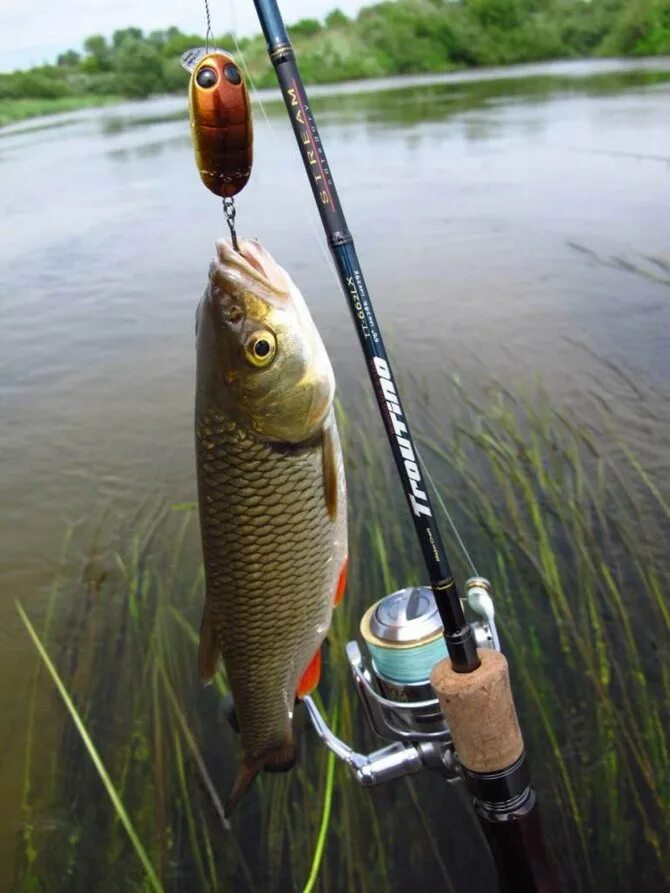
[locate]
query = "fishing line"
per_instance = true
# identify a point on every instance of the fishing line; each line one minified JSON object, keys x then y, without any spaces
{"x":443,"y":506}
{"x":209,"y":34}
{"x":316,"y":230}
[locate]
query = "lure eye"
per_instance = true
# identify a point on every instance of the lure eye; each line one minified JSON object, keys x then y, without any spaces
{"x":232,"y":74}
{"x":260,"y":348}
{"x":206,"y":77}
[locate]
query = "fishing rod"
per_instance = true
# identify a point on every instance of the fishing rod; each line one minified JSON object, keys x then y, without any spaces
{"x":472,"y":726}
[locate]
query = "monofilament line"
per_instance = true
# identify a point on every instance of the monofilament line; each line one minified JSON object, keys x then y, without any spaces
{"x":443,"y":506}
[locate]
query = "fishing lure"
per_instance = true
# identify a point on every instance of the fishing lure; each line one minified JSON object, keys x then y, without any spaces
{"x":221,"y":126}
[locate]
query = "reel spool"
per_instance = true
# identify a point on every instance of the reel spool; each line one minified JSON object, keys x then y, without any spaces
{"x":403,"y":635}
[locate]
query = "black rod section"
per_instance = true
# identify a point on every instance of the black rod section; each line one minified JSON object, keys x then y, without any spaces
{"x":457,"y":632}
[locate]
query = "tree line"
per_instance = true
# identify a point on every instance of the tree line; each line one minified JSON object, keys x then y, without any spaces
{"x":401,"y":37}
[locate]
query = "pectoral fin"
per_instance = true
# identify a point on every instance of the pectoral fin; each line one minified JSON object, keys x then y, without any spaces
{"x":208,"y":651}
{"x":330,"y":469}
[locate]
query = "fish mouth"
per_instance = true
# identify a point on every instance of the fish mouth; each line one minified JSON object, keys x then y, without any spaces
{"x":254,"y":261}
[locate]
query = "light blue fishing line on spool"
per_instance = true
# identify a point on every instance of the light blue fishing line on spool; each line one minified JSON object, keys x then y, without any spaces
{"x":403,"y":632}
{"x":408,"y":664}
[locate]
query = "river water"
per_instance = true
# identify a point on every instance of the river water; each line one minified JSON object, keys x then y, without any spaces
{"x":512,"y":223}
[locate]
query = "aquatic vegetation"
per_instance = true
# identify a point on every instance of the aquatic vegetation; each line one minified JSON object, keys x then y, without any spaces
{"x":561,"y":524}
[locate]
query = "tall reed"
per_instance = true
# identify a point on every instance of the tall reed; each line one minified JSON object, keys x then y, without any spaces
{"x":556,"y":522}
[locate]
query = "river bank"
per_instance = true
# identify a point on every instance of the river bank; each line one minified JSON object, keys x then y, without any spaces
{"x":557,"y":74}
{"x":406,"y":37}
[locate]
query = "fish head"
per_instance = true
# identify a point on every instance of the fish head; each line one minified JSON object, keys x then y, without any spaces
{"x":272,"y":372}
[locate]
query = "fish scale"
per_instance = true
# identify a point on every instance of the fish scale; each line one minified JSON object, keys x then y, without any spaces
{"x":267,"y":544}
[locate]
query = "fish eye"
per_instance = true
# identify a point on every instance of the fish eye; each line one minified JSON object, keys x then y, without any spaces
{"x":260,"y":348}
{"x":206,"y":77}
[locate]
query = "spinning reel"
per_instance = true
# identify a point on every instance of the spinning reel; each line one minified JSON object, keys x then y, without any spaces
{"x":403,"y":634}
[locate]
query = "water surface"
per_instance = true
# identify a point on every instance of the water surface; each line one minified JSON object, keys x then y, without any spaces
{"x":511,"y":223}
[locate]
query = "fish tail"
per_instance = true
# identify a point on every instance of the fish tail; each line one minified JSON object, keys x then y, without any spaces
{"x":275,"y":759}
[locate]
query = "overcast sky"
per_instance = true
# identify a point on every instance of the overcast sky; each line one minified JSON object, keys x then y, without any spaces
{"x":31,"y":33}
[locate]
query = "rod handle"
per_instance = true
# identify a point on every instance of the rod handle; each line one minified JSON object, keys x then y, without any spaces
{"x":480,"y":711}
{"x":479,"y":708}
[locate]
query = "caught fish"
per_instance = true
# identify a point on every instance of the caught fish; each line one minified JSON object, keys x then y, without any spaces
{"x":272,"y":497}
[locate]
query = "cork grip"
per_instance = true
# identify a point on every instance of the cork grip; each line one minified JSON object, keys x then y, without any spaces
{"x":480,"y":711}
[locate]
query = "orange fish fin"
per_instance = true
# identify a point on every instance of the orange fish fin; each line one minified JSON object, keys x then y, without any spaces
{"x":310,"y":678}
{"x":275,"y":759}
{"x":342,"y":582}
{"x":330,"y":469}
{"x":208,"y":649}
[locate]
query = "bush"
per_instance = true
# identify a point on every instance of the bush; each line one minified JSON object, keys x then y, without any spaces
{"x":69,"y":59}
{"x":643,"y":28}
{"x":47,"y":82}
{"x":175,"y":78}
{"x":306,"y":28}
{"x":99,"y":55}
{"x":138,"y":67}
{"x":337,"y":19}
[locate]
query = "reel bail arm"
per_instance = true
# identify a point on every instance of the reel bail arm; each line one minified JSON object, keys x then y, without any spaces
{"x":390,"y":762}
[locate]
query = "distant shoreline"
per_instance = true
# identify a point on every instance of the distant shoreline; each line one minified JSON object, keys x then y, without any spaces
{"x":386,"y":39}
{"x":15,"y":111}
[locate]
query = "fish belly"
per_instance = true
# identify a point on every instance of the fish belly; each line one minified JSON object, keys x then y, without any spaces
{"x":272,"y":553}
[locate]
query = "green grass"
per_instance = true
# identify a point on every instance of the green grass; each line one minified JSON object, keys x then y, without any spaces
{"x":559,"y":524}
{"x":92,"y":751}
{"x":21,"y":109}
